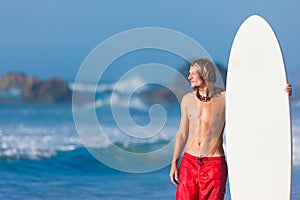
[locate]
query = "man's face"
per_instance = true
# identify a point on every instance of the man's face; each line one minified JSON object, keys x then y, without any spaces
{"x":195,"y":78}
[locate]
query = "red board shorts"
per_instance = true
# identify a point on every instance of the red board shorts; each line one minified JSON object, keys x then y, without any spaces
{"x":202,"y":178}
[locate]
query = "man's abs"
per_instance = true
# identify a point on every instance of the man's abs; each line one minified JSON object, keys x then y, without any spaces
{"x":211,"y":148}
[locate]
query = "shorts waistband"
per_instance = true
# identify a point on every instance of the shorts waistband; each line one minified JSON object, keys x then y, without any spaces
{"x":211,"y":158}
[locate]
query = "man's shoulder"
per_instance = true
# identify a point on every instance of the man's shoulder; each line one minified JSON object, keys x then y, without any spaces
{"x":187,"y":97}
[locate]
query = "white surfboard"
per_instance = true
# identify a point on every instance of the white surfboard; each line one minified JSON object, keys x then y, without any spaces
{"x":258,"y":130}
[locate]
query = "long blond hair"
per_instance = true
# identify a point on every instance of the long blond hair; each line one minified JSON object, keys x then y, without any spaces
{"x":206,"y":69}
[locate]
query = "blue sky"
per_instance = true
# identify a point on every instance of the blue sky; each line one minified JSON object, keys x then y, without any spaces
{"x":47,"y":38}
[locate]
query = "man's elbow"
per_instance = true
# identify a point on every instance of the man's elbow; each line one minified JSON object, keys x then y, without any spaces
{"x":182,"y":136}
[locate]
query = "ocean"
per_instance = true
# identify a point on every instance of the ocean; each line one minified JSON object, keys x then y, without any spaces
{"x":42,"y":156}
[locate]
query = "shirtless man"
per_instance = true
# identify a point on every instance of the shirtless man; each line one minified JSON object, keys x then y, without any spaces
{"x":203,"y":169}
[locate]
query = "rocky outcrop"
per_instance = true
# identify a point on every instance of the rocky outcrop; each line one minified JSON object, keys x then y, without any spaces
{"x":15,"y":81}
{"x":54,"y":90}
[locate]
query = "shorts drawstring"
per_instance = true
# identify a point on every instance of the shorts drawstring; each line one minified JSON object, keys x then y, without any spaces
{"x":200,"y":159}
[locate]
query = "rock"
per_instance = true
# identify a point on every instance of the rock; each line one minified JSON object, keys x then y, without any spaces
{"x":14,"y":81}
{"x":159,"y":95}
{"x":54,"y":90}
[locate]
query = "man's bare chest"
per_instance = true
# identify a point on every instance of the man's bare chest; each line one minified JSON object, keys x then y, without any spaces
{"x":206,"y":112}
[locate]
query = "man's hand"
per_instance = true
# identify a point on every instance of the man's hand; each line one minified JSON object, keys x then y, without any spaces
{"x":288,"y":89}
{"x":174,"y":174}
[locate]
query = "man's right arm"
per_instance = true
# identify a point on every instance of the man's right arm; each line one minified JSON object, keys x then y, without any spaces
{"x":180,"y":141}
